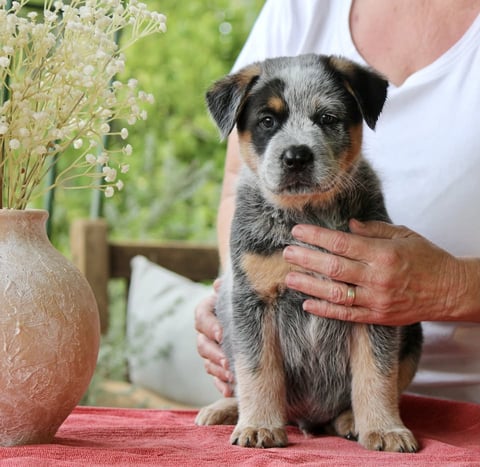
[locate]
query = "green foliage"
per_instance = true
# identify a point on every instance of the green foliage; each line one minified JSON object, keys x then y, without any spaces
{"x":173,"y":186}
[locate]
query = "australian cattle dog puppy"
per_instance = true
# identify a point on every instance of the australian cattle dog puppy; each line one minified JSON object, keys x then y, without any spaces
{"x":299,"y":123}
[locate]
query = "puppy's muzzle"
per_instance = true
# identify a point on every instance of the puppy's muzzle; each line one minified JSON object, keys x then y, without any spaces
{"x":297,"y":158}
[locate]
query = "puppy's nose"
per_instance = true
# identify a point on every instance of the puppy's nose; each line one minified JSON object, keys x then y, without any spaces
{"x":297,"y":157}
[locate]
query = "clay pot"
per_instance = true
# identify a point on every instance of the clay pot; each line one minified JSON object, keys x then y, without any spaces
{"x":49,"y":331}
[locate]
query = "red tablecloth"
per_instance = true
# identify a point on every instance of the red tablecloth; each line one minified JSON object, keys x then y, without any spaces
{"x":449,"y":434}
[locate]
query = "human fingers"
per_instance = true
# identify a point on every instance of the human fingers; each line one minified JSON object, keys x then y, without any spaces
{"x":378,"y":229}
{"x":226,"y":389}
{"x":363,"y":243}
{"x":205,"y":320}
{"x":340,"y":243}
{"x":323,"y":289}
{"x":337,"y":268}
{"x":216,"y":284}
{"x":215,"y":362}
{"x":357,"y":314}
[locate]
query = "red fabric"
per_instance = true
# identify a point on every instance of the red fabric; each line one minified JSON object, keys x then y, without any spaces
{"x":449,"y":433}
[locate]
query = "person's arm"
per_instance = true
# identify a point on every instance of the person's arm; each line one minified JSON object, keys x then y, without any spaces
{"x":398,"y":276}
{"x":227,"y":200}
{"x":208,"y":327}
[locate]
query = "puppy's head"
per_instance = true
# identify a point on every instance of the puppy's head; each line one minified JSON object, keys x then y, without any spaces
{"x":299,"y":121}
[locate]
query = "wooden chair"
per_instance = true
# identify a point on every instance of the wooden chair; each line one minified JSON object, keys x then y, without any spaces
{"x":101,"y":260}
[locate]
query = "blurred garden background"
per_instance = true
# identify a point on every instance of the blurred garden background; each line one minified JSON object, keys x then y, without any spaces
{"x":173,"y":186}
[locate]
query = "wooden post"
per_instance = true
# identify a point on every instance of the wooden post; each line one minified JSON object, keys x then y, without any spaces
{"x":90,"y":253}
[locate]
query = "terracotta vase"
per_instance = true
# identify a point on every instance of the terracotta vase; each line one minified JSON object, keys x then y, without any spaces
{"x":49,"y":331}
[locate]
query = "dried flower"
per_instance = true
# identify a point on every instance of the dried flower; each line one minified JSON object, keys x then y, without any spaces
{"x":56,"y":91}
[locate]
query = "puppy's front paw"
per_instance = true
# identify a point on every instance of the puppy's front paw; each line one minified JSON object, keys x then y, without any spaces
{"x":259,"y":437}
{"x":221,"y":412}
{"x":395,"y":440}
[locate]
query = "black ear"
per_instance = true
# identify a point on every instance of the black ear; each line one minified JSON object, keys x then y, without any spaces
{"x":367,"y":86}
{"x":226,"y":97}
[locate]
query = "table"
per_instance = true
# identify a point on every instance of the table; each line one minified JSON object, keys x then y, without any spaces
{"x":449,"y":433}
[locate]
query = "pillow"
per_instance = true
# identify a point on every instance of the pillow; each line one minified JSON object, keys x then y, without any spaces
{"x":161,"y":338}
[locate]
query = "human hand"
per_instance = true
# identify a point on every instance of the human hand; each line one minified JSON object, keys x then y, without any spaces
{"x":399,"y":276}
{"x":209,"y":338}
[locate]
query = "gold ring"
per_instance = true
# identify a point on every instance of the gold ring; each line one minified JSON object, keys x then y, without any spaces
{"x":351,"y":293}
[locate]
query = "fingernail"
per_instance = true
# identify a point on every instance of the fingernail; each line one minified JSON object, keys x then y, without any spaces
{"x":308,"y":305}
{"x":218,"y":336}
{"x":224,"y":363}
{"x":357,"y":223}
{"x":298,"y":232}
{"x":291,"y":280}
{"x":288,"y":253}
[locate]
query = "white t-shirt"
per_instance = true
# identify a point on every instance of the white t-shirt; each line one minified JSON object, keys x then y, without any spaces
{"x":426,"y":150}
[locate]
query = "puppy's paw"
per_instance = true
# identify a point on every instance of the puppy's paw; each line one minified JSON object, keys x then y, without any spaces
{"x":398,"y":439}
{"x":259,"y":437}
{"x":344,"y":426}
{"x":221,"y":412}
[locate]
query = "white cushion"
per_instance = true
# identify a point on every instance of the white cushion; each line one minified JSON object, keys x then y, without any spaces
{"x":161,"y":336}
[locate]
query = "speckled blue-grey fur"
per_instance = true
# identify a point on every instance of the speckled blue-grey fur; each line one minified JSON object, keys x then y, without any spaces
{"x":315,"y":350}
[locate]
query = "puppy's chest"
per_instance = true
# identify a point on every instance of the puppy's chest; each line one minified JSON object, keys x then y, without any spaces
{"x":259,"y":246}
{"x":263,"y":229}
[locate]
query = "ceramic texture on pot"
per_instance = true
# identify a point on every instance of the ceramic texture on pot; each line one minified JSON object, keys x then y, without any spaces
{"x":49,"y":331}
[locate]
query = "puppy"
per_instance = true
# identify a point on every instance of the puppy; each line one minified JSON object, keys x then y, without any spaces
{"x":299,"y":122}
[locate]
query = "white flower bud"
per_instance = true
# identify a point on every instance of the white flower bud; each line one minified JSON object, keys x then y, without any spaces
{"x":14,"y":144}
{"x":102,"y":158}
{"x":109,"y":191}
{"x":78,"y":143}
{"x":91,"y":159}
{"x":109,"y":173}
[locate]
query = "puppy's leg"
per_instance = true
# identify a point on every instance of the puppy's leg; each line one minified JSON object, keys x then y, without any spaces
{"x":261,"y":394}
{"x":221,"y":412}
{"x":344,"y":424}
{"x":375,"y":396}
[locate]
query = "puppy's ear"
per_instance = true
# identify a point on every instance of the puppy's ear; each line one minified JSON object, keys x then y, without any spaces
{"x":227,"y":96}
{"x":367,"y":86}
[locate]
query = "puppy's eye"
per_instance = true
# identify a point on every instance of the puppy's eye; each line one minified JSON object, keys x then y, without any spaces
{"x":325,"y":119}
{"x":268,"y":122}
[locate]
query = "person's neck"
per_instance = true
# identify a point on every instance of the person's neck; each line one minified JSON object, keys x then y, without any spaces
{"x":400,"y":37}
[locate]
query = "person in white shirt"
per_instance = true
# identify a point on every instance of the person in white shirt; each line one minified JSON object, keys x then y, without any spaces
{"x":426,"y":151}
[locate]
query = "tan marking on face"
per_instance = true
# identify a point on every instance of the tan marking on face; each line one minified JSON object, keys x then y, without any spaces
{"x":375,"y":396}
{"x":261,"y":391}
{"x":298,"y":202}
{"x":276,"y":104}
{"x":351,"y":155}
{"x":247,"y":151}
{"x":267,"y":274}
{"x":245,"y":75}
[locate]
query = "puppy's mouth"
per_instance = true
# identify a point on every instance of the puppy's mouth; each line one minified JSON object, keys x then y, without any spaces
{"x":304,"y":186}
